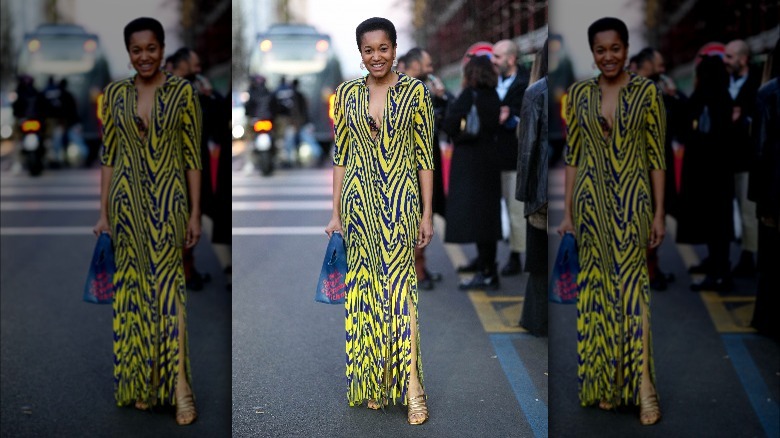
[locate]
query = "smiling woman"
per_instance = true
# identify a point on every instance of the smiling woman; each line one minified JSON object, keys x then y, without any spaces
{"x":382,"y":190}
{"x":150,"y":205}
{"x":614,"y":207}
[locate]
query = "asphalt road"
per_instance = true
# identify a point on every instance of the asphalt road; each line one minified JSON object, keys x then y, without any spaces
{"x":484,"y":376}
{"x":715,"y":377}
{"x":56,"y":361}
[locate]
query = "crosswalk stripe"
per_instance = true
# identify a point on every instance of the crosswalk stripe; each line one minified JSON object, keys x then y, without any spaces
{"x":282,"y":205}
{"x":283,"y":191}
{"x":49,"y":205}
{"x":50,"y":190}
{"x":44,"y":231}
{"x":278,"y":231}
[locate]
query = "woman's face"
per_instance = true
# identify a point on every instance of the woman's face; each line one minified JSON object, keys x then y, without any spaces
{"x":610,"y":53}
{"x":146,"y":53}
{"x":377,"y":52}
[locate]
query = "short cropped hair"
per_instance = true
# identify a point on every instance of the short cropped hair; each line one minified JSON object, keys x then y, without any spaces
{"x":645,"y":55}
{"x":178,"y":57}
{"x":376,"y":23}
{"x":142,"y":24}
{"x":414,"y":55}
{"x":605,"y":24}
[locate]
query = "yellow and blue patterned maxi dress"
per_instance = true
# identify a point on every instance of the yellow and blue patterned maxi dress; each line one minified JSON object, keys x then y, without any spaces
{"x":380,"y":214}
{"x":612,"y":210}
{"x":148,"y":214}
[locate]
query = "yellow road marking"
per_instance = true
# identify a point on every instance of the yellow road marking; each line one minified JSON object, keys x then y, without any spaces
{"x":735,"y":320}
{"x":729,"y":321}
{"x":497,"y":321}
{"x":493,"y":312}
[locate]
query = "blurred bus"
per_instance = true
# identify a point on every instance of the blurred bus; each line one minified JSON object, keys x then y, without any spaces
{"x":68,"y":51}
{"x":299,"y":51}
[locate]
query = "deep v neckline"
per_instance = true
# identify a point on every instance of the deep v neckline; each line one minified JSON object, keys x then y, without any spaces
{"x":141,"y":124}
{"x":375,"y":129}
{"x":607,"y":129}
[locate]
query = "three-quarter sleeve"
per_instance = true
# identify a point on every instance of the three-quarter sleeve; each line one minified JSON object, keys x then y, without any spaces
{"x":573,"y":134}
{"x":108,"y":146}
{"x":656,"y":129}
{"x":341,"y":133}
{"x":191,"y":129}
{"x":423,"y":131}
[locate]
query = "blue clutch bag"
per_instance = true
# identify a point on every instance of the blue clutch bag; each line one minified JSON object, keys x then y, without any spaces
{"x":99,"y":288}
{"x":563,"y":288}
{"x":331,"y":287}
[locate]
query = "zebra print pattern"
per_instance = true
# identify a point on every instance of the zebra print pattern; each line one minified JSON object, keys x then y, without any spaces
{"x":380,"y":215}
{"x":148,"y":213}
{"x":612,"y":212}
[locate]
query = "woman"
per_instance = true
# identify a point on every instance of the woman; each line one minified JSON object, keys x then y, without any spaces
{"x":532,"y":191}
{"x":707,"y":181}
{"x":384,"y":129}
{"x":614,"y":185}
{"x":474,"y":198}
{"x":150,"y":205}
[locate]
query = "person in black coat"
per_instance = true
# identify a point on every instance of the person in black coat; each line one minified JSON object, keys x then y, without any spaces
{"x":532,"y":158}
{"x":707,"y":189}
{"x":474,"y":198}
{"x":764,"y":190}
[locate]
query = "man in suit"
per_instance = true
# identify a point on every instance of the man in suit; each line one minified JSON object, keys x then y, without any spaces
{"x":512,"y":82}
{"x":743,"y":88}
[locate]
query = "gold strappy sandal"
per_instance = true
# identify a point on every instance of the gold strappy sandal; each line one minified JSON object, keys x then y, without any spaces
{"x":417,"y":407}
{"x":185,"y":410}
{"x":649,"y":410}
{"x":141,"y":406}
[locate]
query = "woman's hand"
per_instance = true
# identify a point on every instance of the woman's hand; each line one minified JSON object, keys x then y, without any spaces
{"x":101,"y":227}
{"x":425,"y":234}
{"x":193,"y":231}
{"x":333,"y":225}
{"x":658,"y":232}
{"x":567,"y":226}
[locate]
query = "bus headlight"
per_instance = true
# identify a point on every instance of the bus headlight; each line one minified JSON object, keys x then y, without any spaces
{"x":238,"y":132}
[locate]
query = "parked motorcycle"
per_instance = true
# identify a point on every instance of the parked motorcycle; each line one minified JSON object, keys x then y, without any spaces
{"x":33,"y":149}
{"x":263,"y":150}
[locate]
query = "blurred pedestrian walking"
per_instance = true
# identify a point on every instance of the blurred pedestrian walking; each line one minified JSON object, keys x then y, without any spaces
{"x":150,"y":204}
{"x":382,"y":190}
{"x":614,"y":198}
{"x":532,"y":159}
{"x":72,"y":135}
{"x":474,"y":197}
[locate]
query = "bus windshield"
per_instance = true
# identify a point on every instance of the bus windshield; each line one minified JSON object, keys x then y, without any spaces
{"x":60,"y":55}
{"x":299,"y":52}
{"x":293,"y":56}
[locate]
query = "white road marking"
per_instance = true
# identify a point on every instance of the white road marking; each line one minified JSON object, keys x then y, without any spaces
{"x":282,"y":205}
{"x":278,"y":231}
{"x":49,"y":205}
{"x":45,"y":231}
